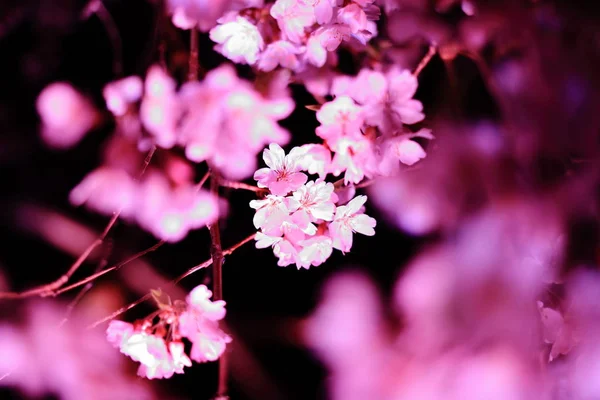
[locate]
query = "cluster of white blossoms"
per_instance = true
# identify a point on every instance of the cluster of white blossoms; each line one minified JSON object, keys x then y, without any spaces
{"x":304,"y":220}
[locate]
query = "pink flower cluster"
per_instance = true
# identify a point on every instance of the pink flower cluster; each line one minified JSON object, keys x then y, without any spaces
{"x":160,"y":354}
{"x":303,"y":220}
{"x":293,"y":34}
{"x":167,"y":212}
{"x":222,"y":120}
{"x":362,"y":103}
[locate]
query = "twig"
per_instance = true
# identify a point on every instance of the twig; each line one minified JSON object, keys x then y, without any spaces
{"x":98,"y":8}
{"x":115,"y":267}
{"x":200,"y":266}
{"x":243,"y":186}
{"x":49,"y":288}
{"x":428,"y":56}
{"x":203,"y":181}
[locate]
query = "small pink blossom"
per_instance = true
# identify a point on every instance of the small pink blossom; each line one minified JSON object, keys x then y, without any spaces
{"x":199,"y":323}
{"x":353,"y":16}
{"x":367,"y":87}
{"x":66,"y":115}
{"x":397,"y":107}
{"x":315,"y":201}
{"x":293,"y":16}
{"x":282,"y":53}
{"x":171,"y":213}
{"x":315,"y":251}
{"x":238,"y":39}
{"x":355,"y":157}
{"x":160,"y":108}
{"x":340,"y":117}
{"x":283,"y":173}
{"x":121,"y":94}
{"x":349,"y":219}
{"x":316,"y":159}
{"x":323,"y":9}
{"x":150,"y":351}
{"x":270,"y":214}
{"x":199,"y":299}
{"x":106,"y":190}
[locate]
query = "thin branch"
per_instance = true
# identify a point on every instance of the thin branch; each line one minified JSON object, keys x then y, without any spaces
{"x":428,"y":56}
{"x":242,"y":186}
{"x":115,"y":267}
{"x":198,"y":267}
{"x":98,"y":8}
{"x":203,"y":181}
{"x":49,"y":288}
{"x":101,"y":265}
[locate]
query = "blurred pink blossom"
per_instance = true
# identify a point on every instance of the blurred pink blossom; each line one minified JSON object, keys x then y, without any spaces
{"x":66,"y":115}
{"x":237,"y":39}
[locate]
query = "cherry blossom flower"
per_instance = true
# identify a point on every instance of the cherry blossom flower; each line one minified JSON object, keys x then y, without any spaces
{"x":315,"y":201}
{"x":402,"y":149}
{"x":227,"y":122}
{"x":270,"y":214}
{"x":323,"y":9}
{"x":315,"y":250}
{"x":349,"y":219}
{"x":66,"y":115}
{"x":282,"y":53}
{"x":156,"y":361}
{"x":397,"y":107}
{"x":120,"y":94}
{"x":354,"y":156}
{"x":316,"y":159}
{"x":237,"y":39}
{"x":160,"y":108}
{"x":386,"y":98}
{"x":204,"y":13}
{"x":353,"y":16}
{"x":293,"y":16}
{"x":106,"y":190}
{"x":171,"y":213}
{"x":340,"y":117}
{"x":199,"y":323}
{"x":282,"y":174}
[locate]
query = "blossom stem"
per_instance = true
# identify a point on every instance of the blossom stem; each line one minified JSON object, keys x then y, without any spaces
{"x":428,"y":56}
{"x":242,"y":186}
{"x":50,"y":288}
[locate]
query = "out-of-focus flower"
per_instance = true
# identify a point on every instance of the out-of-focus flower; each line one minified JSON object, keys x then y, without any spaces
{"x":66,"y":115}
{"x":44,"y":356}
{"x":160,"y":109}
{"x":281,"y":53}
{"x":237,"y":39}
{"x":293,"y":16}
{"x":120,"y":94}
{"x":168,"y":213}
